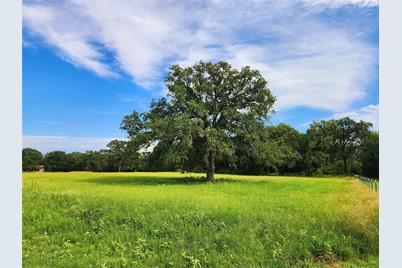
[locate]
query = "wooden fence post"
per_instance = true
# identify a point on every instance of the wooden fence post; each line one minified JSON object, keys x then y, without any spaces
{"x":372,"y":184}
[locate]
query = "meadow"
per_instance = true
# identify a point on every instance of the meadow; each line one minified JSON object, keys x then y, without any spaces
{"x":85,"y":219}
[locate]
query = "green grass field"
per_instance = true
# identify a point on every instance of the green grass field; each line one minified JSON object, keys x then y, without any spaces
{"x":83,"y":219}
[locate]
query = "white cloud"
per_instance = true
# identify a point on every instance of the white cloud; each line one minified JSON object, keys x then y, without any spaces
{"x":62,"y":29}
{"x":52,"y":143}
{"x":138,"y":103}
{"x":140,"y":34}
{"x":368,"y":113}
{"x":307,"y":61}
{"x":330,"y":79}
{"x":52,"y":122}
{"x":338,"y":3}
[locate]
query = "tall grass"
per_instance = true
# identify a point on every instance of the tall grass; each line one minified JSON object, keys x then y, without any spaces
{"x":373,"y":184}
{"x":83,"y":219}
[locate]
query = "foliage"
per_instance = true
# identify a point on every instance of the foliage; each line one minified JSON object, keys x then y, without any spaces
{"x":58,"y":161}
{"x":208,"y":104}
{"x":348,"y":138}
{"x":81,"y":219}
{"x":97,"y":161}
{"x":30,"y":159}
{"x":333,"y":141}
{"x":122,"y":154}
{"x":78,"y":161}
{"x":268,"y":149}
{"x":271,"y":149}
{"x":215,"y":115}
{"x":370,"y":155}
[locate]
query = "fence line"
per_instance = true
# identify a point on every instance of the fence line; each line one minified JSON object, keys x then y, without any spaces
{"x":373,"y":184}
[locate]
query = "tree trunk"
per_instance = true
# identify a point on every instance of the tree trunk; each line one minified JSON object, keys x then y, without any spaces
{"x":345,"y":166}
{"x":119,"y":166}
{"x":211,"y":166}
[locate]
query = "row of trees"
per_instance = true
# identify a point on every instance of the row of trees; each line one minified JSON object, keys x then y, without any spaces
{"x":214,"y":119}
{"x":328,"y":147}
{"x":118,"y":157}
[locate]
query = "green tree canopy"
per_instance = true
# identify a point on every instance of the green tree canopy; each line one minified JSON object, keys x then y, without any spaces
{"x":123,"y":154}
{"x":370,"y":155}
{"x":58,"y":161}
{"x":333,"y":140}
{"x":208,"y":104}
{"x":268,"y":149}
{"x":30,"y":159}
{"x":349,"y":136}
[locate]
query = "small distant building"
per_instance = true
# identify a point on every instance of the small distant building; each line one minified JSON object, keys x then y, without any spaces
{"x":40,"y":168}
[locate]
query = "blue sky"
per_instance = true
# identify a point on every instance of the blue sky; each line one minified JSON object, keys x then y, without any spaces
{"x":86,"y":64}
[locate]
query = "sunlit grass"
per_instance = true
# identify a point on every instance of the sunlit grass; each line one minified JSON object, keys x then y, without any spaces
{"x":83,"y":219}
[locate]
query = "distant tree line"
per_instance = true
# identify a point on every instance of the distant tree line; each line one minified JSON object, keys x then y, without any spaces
{"x":117,"y":157}
{"x":331,"y":147}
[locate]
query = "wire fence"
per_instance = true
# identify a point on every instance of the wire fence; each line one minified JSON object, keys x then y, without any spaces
{"x":373,"y":184}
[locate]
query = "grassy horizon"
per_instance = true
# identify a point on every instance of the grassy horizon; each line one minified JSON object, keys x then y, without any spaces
{"x":168,"y":219}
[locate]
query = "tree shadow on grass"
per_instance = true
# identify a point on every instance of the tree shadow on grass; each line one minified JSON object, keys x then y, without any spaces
{"x":147,"y":180}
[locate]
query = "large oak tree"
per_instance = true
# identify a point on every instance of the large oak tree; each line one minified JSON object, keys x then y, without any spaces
{"x":207,"y":105}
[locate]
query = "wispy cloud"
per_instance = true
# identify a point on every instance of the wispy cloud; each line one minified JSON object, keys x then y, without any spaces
{"x":62,"y":28}
{"x":57,"y":124}
{"x":308,"y":61}
{"x":128,"y":99}
{"x":52,"y":122}
{"x":139,"y":103}
{"x":52,"y":143}
{"x":103,"y":112}
{"x":339,"y":3}
{"x":368,"y":113}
